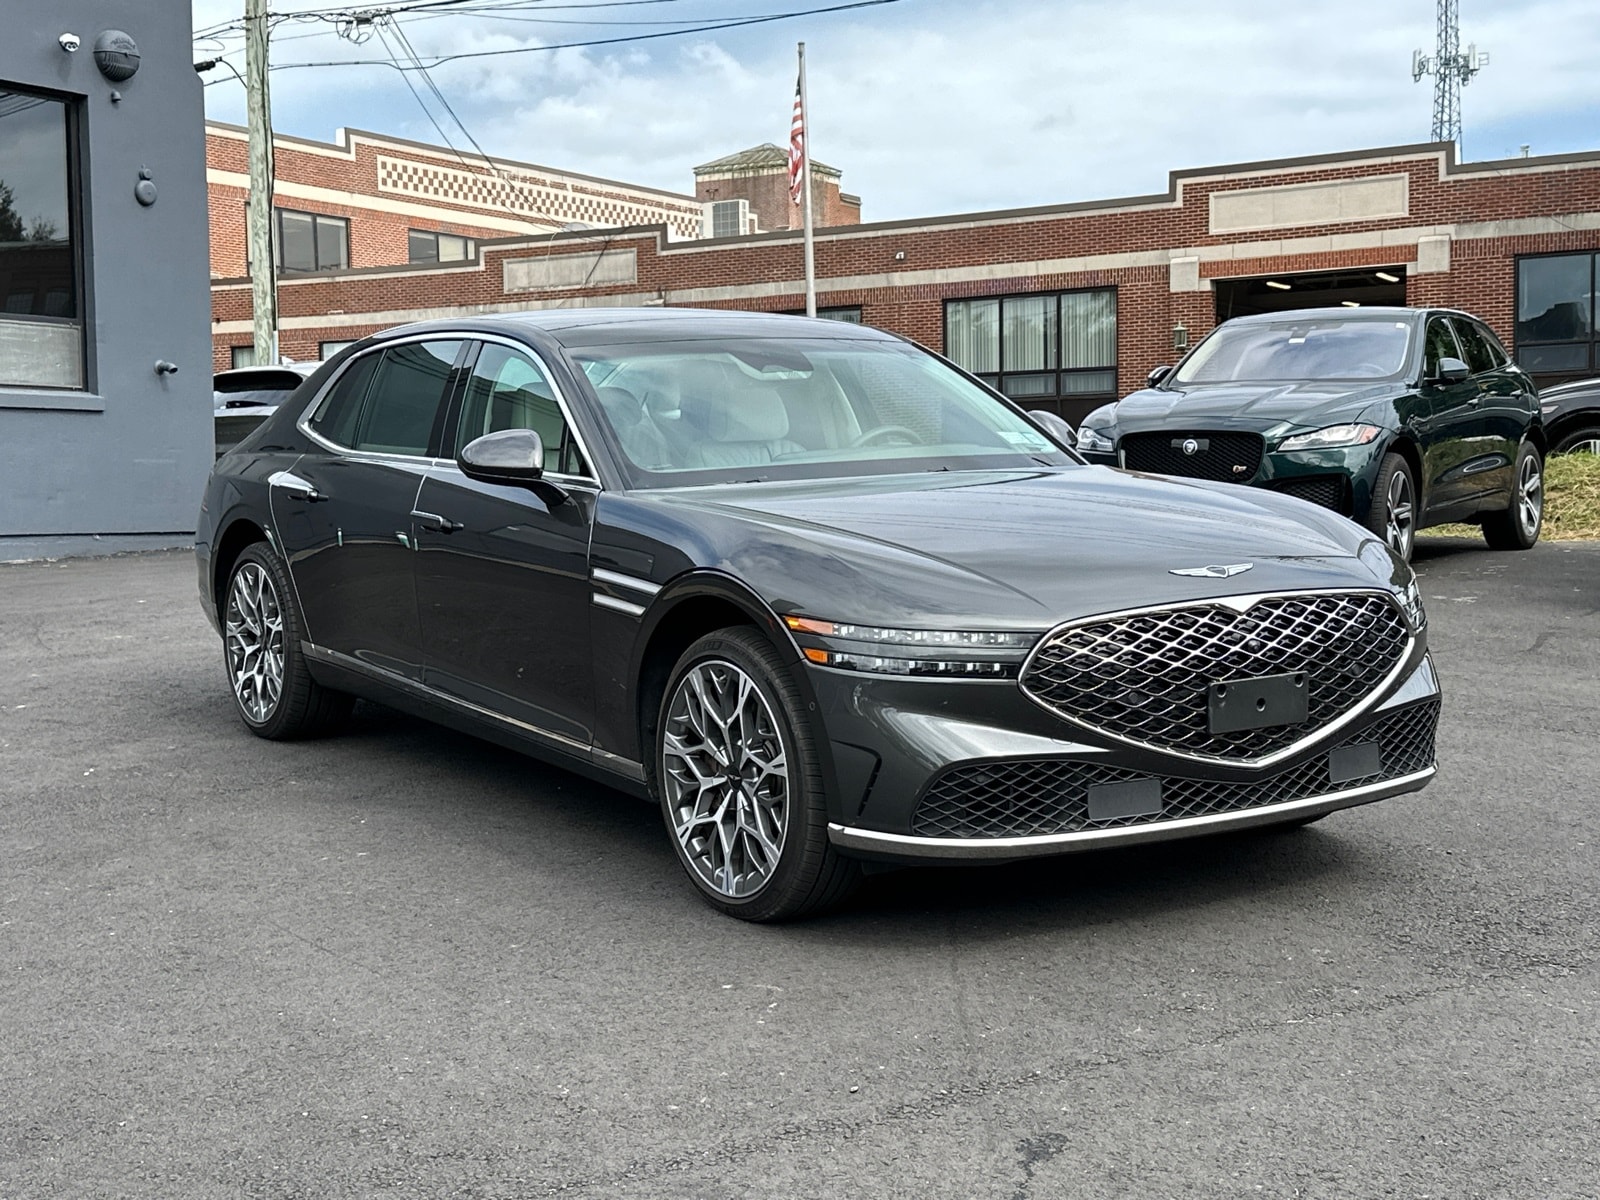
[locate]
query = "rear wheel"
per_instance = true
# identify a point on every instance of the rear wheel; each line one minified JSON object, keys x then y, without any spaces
{"x":1516,"y":527}
{"x":1393,"y":515}
{"x":741,"y":783}
{"x":261,"y":634}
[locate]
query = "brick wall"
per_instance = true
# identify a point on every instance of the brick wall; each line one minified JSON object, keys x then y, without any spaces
{"x":900,"y":274}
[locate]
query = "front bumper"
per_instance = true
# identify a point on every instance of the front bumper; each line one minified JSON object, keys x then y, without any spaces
{"x":976,"y":771}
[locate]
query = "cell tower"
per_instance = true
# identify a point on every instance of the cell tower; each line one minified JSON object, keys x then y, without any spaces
{"x":1450,"y":68}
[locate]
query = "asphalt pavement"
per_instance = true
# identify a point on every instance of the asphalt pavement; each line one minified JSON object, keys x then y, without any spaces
{"x":406,"y":963}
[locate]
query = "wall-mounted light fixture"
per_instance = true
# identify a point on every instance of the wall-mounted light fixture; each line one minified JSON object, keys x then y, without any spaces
{"x":1279,"y":285}
{"x":1180,"y":337}
{"x":899,"y":256}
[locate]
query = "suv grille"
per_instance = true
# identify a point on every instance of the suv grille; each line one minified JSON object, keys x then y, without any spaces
{"x":1145,"y":677}
{"x":1039,"y":796}
{"x":1217,"y":456}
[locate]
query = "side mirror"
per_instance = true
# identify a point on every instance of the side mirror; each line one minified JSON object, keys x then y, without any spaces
{"x":1453,"y":370}
{"x":1058,"y":429}
{"x":1156,"y":376}
{"x":511,"y":456}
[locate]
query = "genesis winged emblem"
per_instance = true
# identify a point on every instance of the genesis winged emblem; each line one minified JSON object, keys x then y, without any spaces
{"x":1227,"y":571}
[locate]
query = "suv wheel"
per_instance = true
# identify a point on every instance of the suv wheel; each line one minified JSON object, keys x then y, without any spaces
{"x":1517,"y":526}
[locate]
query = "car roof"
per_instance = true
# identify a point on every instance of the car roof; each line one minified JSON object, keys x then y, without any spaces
{"x":616,"y":326}
{"x":1367,"y":312}
{"x":244,"y":379}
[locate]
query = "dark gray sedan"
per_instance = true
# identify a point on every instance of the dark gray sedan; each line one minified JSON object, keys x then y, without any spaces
{"x":816,"y":593}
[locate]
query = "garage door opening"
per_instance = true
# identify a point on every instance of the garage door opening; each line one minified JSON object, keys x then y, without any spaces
{"x":1285,"y":293}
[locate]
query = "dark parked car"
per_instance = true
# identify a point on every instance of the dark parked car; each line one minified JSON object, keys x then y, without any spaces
{"x":1572,"y":416}
{"x":818,"y":594}
{"x":245,"y":396}
{"x":1400,"y":418}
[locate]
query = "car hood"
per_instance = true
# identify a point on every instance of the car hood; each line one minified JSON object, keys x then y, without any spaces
{"x":1003,"y":549}
{"x":1258,"y":406}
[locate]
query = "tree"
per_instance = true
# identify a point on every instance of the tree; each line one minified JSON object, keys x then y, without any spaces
{"x":11,"y":228}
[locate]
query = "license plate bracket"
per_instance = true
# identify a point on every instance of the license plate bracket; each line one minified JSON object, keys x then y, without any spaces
{"x":1260,"y":703}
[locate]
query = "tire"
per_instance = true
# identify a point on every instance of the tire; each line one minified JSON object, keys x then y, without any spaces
{"x":272,"y":690}
{"x":1579,"y":441}
{"x":759,"y":850}
{"x":1516,"y":527}
{"x":1393,"y":513}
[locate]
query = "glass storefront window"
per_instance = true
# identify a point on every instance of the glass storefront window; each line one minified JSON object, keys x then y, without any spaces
{"x":1038,"y":349}
{"x":41,"y":313}
{"x":1555,"y":314}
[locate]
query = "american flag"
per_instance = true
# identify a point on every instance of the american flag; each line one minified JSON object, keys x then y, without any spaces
{"x":797,"y":147}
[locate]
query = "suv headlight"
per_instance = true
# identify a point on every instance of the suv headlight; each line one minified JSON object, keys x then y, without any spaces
{"x":960,"y":653}
{"x":1333,"y":435}
{"x":1096,"y":441}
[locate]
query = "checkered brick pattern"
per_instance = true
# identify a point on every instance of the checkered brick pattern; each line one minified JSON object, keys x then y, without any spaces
{"x":516,"y":191}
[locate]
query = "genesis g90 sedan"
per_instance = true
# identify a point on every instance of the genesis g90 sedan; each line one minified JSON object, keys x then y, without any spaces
{"x":1399,"y":418}
{"x":812,"y":590}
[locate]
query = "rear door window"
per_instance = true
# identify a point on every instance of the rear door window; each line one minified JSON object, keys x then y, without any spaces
{"x":404,"y":399}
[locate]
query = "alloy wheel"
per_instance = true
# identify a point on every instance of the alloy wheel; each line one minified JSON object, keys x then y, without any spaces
{"x":254,"y":639}
{"x":1398,"y":520}
{"x":726,"y":777}
{"x":1530,"y":495}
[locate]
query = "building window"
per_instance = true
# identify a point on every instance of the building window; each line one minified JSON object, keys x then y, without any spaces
{"x":1555,"y":314}
{"x":41,"y":305}
{"x":242,"y":356}
{"x":1040,"y":350}
{"x":426,"y":247}
{"x":850,"y":314}
{"x":326,"y":350}
{"x":310,"y":241}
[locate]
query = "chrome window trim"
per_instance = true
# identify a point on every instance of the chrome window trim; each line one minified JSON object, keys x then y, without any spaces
{"x":303,"y":424}
{"x":1003,"y":848}
{"x":1241,"y":605}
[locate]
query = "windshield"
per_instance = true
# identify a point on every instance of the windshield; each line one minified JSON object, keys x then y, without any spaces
{"x":703,"y":411}
{"x":1298,"y":350}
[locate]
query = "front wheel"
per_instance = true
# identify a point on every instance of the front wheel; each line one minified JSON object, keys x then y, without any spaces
{"x":741,"y":783}
{"x":261,"y":632}
{"x":1516,"y":527}
{"x":1393,"y":515}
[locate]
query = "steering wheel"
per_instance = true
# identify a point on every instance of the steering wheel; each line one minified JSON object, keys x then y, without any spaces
{"x":878,"y":433}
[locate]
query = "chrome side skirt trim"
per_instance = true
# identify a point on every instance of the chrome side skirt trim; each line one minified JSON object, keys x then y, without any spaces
{"x":901,"y":845}
{"x":558,"y":741}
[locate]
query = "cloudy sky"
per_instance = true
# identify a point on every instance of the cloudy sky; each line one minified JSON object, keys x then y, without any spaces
{"x":935,"y":106}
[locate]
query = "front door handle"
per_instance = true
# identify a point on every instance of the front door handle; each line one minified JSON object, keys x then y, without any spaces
{"x":434,"y":523}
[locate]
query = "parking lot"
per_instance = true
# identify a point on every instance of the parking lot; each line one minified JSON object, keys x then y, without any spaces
{"x":406,"y":963}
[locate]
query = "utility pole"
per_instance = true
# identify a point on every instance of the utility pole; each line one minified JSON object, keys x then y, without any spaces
{"x":263,"y":270}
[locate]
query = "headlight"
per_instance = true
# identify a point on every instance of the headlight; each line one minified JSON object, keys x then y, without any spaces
{"x":1333,"y":435}
{"x":1094,"y":441}
{"x":1387,"y":566}
{"x":964,"y":653}
{"x":1411,"y":600}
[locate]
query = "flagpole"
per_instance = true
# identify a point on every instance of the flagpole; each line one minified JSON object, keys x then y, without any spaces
{"x":805,"y":191}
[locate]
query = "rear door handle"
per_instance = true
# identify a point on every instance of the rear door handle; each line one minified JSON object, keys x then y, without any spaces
{"x":434,"y":523}
{"x":296,"y":487}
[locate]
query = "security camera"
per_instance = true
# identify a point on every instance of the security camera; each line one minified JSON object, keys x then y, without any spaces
{"x":70,"y":42}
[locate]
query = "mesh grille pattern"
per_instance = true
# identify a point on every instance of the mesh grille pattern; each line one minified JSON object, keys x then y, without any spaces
{"x":1039,"y":796}
{"x":1146,"y":677}
{"x":1326,"y":490}
{"x":1162,"y":454}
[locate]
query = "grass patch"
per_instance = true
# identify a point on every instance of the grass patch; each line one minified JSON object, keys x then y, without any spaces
{"x":1571,"y":502}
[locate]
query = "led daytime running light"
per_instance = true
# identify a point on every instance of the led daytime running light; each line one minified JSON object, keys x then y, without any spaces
{"x":974,"y":639}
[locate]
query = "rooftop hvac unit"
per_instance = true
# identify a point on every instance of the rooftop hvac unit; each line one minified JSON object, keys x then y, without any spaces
{"x":728,"y":218}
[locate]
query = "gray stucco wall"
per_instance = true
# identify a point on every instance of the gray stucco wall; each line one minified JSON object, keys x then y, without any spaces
{"x":122,"y":462}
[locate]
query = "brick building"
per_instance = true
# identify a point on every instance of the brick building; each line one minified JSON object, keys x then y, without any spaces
{"x":760,"y":178}
{"x":1065,"y":306}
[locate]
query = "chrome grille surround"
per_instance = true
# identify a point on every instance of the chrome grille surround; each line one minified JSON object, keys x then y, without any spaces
{"x":1044,"y":797}
{"x":1142,"y":676}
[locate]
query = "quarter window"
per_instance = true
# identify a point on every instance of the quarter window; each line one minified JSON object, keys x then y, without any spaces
{"x":1039,"y":350}
{"x":41,"y":314}
{"x":403,"y":401}
{"x":335,"y":418}
{"x":508,"y":390}
{"x":1555,"y":314}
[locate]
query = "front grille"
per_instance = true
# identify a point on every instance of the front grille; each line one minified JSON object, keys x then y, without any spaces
{"x":1230,"y":457}
{"x":1039,"y":796}
{"x":1326,"y":490}
{"x":1145,"y":677}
